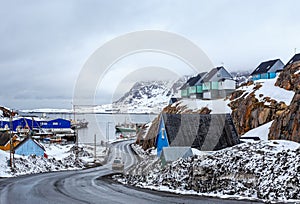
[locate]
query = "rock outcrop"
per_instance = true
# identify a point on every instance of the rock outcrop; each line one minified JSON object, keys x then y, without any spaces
{"x":289,"y":79}
{"x":250,"y":111}
{"x":287,"y":124}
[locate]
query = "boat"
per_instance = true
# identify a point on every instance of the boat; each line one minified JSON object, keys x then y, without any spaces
{"x":79,"y":124}
{"x":122,"y":129}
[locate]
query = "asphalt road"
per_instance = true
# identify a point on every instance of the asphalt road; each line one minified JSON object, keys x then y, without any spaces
{"x":86,"y":186}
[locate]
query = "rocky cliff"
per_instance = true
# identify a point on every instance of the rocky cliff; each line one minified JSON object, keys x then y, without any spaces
{"x":251,"y":109}
{"x":287,"y":124}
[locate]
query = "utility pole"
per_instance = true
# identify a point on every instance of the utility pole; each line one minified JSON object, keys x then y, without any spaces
{"x":95,"y":148}
{"x":106,"y":137}
{"x":10,"y":141}
{"x":76,"y":135}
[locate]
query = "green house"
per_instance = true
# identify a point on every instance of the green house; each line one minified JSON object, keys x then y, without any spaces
{"x":217,"y":83}
{"x":193,"y":87}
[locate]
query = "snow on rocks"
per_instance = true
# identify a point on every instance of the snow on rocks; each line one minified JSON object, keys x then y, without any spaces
{"x":268,"y":88}
{"x":265,"y":170}
{"x":59,"y":158}
{"x":34,"y":164}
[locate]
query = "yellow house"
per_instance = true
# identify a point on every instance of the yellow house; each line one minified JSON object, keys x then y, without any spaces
{"x":5,"y":143}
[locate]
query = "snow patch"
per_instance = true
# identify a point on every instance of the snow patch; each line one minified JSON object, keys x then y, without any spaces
{"x":261,"y":132}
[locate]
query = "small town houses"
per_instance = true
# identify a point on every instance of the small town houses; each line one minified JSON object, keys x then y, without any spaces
{"x":176,"y":133}
{"x":267,"y":69}
{"x":218,"y":83}
{"x":271,"y":68}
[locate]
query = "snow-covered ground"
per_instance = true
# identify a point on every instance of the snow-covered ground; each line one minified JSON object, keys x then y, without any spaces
{"x":265,"y":170}
{"x":217,"y":106}
{"x":270,"y":90}
{"x":60,"y":157}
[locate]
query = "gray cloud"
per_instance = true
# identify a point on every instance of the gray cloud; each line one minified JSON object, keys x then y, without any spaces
{"x":44,"y":44}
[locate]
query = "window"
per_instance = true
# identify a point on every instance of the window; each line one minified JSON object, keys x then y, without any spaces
{"x":163,"y":133}
{"x":55,"y":123}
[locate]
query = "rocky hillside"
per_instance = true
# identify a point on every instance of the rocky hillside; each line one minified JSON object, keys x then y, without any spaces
{"x":150,"y":94}
{"x":287,"y":124}
{"x":255,"y":104}
{"x":277,"y":100}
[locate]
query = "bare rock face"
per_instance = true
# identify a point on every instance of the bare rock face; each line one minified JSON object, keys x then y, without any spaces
{"x":289,"y":79}
{"x":248,"y":112}
{"x":287,"y":124}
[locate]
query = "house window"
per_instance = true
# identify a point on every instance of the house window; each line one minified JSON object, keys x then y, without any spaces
{"x":55,"y":123}
{"x":163,"y":133}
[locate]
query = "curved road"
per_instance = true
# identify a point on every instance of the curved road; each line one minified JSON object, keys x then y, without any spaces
{"x":84,"y":186}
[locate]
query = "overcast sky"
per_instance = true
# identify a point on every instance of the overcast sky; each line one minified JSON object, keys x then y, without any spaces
{"x":44,"y":44}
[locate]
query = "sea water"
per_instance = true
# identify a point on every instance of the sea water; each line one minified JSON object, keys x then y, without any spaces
{"x":103,"y":125}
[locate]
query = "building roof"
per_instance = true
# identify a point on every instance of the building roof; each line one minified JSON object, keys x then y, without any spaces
{"x":174,"y":153}
{"x":205,"y":132}
{"x":4,"y":138}
{"x":193,"y":80}
{"x":295,"y":58}
{"x":25,"y":140}
{"x":173,"y":100}
{"x":264,"y":67}
{"x":212,"y":73}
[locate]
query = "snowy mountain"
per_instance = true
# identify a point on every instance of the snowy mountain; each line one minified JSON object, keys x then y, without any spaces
{"x":149,"y":96}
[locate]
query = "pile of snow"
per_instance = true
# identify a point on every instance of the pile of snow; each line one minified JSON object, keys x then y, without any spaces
{"x":147,"y":159}
{"x":261,"y":132}
{"x":60,"y":157}
{"x":260,"y":170}
{"x":4,"y":169}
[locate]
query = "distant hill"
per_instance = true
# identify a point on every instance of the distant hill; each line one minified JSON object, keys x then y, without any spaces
{"x":149,"y":95}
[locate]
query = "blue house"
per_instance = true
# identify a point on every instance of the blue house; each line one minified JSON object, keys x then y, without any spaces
{"x":267,"y":69}
{"x":162,"y":137}
{"x":28,"y":147}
